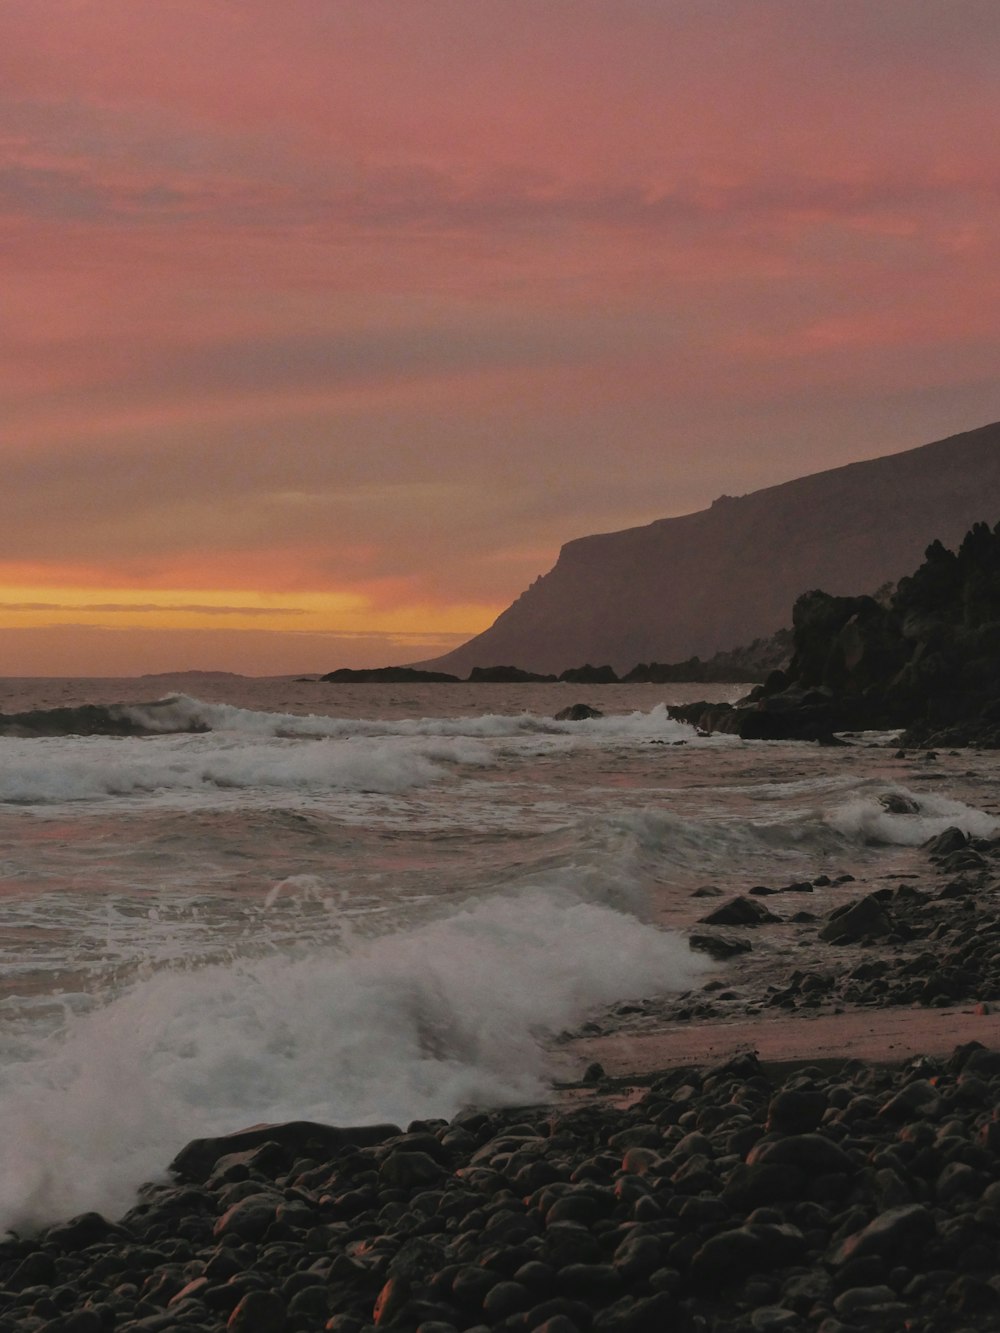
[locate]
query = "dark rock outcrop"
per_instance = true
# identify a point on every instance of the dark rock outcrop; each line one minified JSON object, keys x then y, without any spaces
{"x":927,"y":659}
{"x":753,"y":663}
{"x":577,"y":713}
{"x":589,"y":675}
{"x":392,"y":675}
{"x":506,"y":675}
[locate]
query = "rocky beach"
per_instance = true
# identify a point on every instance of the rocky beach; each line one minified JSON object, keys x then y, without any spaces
{"x":839,"y":1195}
{"x":715,"y":1161}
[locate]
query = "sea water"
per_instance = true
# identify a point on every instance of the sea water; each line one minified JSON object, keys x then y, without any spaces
{"x":345,"y":903}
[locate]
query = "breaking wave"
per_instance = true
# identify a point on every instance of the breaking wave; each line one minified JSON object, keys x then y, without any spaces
{"x":179,"y":713}
{"x":881,"y":817}
{"x":53,"y":771}
{"x":412,"y":1024}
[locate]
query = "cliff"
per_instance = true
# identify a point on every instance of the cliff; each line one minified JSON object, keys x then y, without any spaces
{"x":700,"y":583}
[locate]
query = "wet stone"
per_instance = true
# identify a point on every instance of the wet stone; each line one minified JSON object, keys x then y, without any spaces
{"x":249,"y":1218}
{"x":739,"y":911}
{"x":794,"y":1111}
{"x":258,"y":1312}
{"x":808,"y":1152}
{"x":79,"y":1232}
{"x":860,"y":1300}
{"x":774,"y":1319}
{"x":865,"y":918}
{"x":895,"y":1232}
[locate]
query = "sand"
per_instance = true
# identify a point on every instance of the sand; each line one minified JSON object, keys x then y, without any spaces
{"x":883,"y":1036}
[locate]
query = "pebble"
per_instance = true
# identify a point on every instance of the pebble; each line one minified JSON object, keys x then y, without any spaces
{"x":722,"y":1200}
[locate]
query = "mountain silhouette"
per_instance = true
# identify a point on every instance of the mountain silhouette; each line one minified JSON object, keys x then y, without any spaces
{"x":712,"y":580}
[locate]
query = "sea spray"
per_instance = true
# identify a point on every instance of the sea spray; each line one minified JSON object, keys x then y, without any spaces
{"x":867,"y":817}
{"x":41,"y":772}
{"x":412,"y":1024}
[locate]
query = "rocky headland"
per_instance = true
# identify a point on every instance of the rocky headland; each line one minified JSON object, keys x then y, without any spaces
{"x":698,"y":583}
{"x":925,"y":660}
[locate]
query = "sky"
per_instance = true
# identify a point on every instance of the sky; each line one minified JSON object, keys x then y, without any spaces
{"x":324,"y":324}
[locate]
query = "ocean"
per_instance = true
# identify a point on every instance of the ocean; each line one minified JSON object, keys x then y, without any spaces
{"x":369,"y":903}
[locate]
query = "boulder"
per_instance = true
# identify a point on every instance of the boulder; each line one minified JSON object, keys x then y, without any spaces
{"x":577,"y":713}
{"x":739,"y":911}
{"x":301,"y":1138}
{"x":895,"y":1234}
{"x":865,"y":918}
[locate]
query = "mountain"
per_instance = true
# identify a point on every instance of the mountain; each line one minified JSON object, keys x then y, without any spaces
{"x":704,"y":582}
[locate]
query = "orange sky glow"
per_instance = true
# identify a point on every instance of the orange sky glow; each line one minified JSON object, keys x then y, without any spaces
{"x":326,"y":324}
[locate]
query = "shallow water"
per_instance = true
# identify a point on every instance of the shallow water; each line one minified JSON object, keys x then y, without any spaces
{"x":373,"y":902}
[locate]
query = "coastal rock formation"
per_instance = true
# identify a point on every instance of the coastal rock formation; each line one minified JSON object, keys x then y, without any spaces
{"x":703,"y":582}
{"x":577,"y":713}
{"x":752,"y":663}
{"x":390,"y":675}
{"x":506,"y":675}
{"x":928,"y":659}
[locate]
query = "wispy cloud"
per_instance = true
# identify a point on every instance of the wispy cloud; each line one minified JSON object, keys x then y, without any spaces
{"x":321,"y":297}
{"x":131,"y":608}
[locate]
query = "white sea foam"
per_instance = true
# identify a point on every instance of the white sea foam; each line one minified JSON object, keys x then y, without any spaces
{"x":246,"y":750}
{"x":181,"y":712}
{"x":81,"y":769}
{"x":412,"y":1024}
{"x":865,"y":818}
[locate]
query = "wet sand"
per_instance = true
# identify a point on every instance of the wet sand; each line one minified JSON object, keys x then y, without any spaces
{"x":886,"y":1036}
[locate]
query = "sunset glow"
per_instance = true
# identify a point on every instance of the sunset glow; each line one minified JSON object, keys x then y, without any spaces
{"x":326,"y":324}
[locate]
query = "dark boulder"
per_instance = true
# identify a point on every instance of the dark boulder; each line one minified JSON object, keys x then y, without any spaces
{"x":739,"y":911}
{"x":300,"y":1138}
{"x":896,"y":1233}
{"x":577,"y":713}
{"x":719,"y":947}
{"x":927,"y":658}
{"x":866,"y":918}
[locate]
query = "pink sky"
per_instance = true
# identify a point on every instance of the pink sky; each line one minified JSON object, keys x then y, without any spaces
{"x":326,"y":323}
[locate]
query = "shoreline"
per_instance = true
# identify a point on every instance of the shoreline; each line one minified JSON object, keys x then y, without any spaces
{"x":740,"y":1196}
{"x":795,"y":1166}
{"x":888,"y":1037}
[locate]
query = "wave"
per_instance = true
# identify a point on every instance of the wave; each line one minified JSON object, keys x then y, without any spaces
{"x":161,"y":716}
{"x":661,"y":845}
{"x":413,"y":1024}
{"x":95,"y":768}
{"x":869,"y":818}
{"x":182,"y":714}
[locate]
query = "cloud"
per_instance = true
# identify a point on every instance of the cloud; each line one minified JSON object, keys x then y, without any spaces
{"x":155,"y":607}
{"x":397,"y":298}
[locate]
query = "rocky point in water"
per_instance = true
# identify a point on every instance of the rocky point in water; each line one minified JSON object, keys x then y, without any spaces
{"x":927,"y":660}
{"x":506,"y":675}
{"x":698,"y":583}
{"x":391,"y":675}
